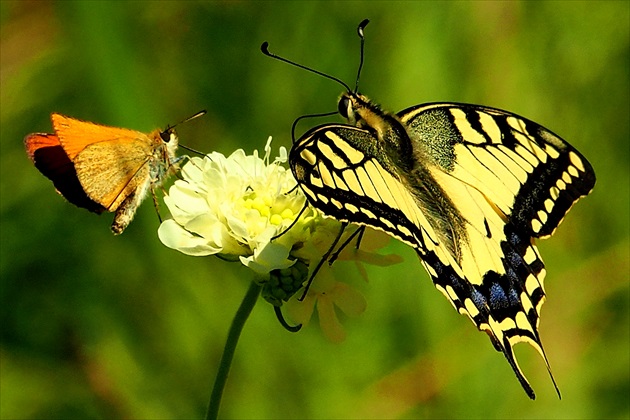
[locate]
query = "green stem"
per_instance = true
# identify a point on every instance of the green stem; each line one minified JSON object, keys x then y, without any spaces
{"x":230,"y":346}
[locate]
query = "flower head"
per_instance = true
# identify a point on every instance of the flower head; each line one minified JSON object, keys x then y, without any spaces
{"x":233,"y":206}
{"x":249,"y":209}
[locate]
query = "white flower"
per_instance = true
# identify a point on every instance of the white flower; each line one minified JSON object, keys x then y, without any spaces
{"x":233,"y":207}
{"x":240,"y":208}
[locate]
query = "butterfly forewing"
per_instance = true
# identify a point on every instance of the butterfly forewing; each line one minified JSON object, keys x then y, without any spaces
{"x":482,"y":184}
{"x":48,"y":156}
{"x":528,"y":172}
{"x":342,"y":175}
{"x":75,"y":135}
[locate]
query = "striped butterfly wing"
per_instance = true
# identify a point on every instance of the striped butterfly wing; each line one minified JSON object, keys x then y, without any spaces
{"x":530,"y":173}
{"x":513,"y":181}
{"x":481,"y":185}
{"x":346,"y":178}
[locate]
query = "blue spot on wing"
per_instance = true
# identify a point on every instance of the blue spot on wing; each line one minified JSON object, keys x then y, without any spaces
{"x":479,"y":300}
{"x":498,"y":299}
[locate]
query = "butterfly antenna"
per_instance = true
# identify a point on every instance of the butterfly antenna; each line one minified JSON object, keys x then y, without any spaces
{"x":192,"y":117}
{"x":265,"y":50}
{"x":360,"y":29}
{"x":190,"y":149}
{"x":326,"y":114}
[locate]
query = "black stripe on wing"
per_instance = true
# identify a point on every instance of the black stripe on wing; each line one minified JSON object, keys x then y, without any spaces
{"x":324,"y":178}
{"x":557,"y":174}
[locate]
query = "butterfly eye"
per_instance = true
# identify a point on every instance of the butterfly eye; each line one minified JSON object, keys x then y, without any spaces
{"x":344,"y":104}
{"x":166,"y":136}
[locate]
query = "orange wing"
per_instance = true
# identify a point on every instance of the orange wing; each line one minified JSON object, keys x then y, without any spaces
{"x":34,"y":142}
{"x":111,"y":171}
{"x":75,"y":135}
{"x":51,"y":160}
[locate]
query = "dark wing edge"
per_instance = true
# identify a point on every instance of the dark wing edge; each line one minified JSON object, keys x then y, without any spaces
{"x":558,"y":175}
{"x":52,"y":161}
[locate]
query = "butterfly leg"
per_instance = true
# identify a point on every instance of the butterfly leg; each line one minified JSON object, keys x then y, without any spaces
{"x":324,"y":258}
{"x":358,"y":234}
{"x":155,"y":202}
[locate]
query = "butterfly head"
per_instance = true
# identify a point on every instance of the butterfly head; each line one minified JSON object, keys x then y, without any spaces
{"x":168,"y":136}
{"x":365,"y":114}
{"x":347,"y":105}
{"x":355,"y":108}
{"x":169,"y":139}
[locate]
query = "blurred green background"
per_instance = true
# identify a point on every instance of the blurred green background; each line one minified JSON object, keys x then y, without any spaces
{"x":98,"y":326}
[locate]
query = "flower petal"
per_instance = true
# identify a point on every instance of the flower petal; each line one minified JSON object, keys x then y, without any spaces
{"x":331,"y":327}
{"x":349,"y":300}
{"x":300,"y":312}
{"x":174,"y":236}
{"x":271,"y":256}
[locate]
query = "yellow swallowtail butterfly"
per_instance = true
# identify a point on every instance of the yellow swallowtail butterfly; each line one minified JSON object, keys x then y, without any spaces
{"x":468,"y":186}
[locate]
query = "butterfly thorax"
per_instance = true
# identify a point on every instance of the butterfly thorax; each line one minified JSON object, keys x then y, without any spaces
{"x":385,"y":126}
{"x":397,"y":153}
{"x":161,"y":163}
